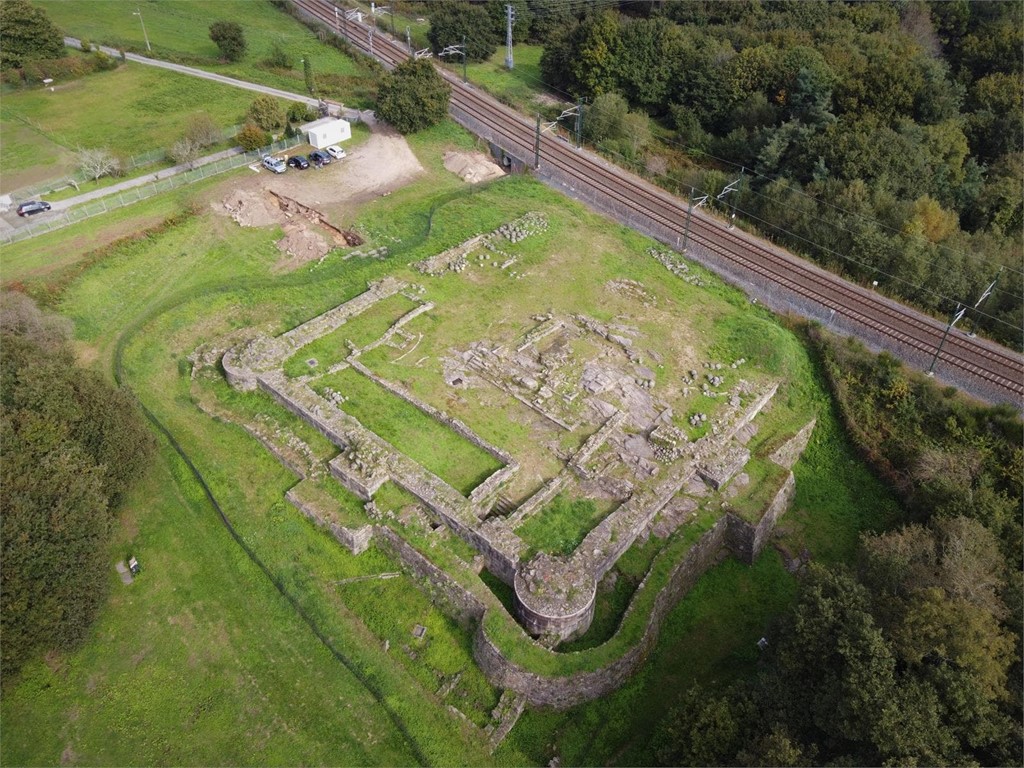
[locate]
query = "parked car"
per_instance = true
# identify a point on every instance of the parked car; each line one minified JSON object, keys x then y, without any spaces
{"x":319,"y":157}
{"x":299,"y":161}
{"x":274,"y":164}
{"x":33,"y":206}
{"x":336,"y":152}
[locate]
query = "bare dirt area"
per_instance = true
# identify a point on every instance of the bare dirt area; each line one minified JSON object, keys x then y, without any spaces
{"x":472,"y":167}
{"x":310,"y":205}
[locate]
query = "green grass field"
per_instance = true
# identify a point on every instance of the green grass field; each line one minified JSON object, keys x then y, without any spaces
{"x":203,"y":647}
{"x":179,"y":30}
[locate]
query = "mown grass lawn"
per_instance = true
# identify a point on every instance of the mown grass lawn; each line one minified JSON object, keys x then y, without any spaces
{"x":179,"y":30}
{"x":130,"y":110}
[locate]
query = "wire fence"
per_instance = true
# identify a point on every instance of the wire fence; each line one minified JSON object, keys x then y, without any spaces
{"x":119,"y":199}
{"x":128,"y":164}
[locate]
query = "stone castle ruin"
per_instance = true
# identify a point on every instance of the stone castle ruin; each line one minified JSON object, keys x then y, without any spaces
{"x":649,"y":466}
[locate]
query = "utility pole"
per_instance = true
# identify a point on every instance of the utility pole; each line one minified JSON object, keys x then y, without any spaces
{"x":689,"y":214}
{"x":571,"y":112}
{"x":536,"y":146}
{"x":465,"y":55}
{"x":985,"y":294}
{"x":732,"y":186}
{"x":960,"y":310}
{"x":510,"y":18}
{"x":579,"y":124}
{"x":371,"y":41}
{"x":450,"y":49}
{"x":138,"y":12}
{"x":408,"y":39}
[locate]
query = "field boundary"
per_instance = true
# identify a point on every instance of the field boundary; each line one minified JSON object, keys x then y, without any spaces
{"x":120,"y":198}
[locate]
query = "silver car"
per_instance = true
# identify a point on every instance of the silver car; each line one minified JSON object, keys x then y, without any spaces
{"x":274,"y":164}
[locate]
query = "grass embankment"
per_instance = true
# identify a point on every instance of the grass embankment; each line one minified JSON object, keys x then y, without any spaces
{"x":198,"y":662}
{"x":197,"y":282}
{"x":180,"y":31}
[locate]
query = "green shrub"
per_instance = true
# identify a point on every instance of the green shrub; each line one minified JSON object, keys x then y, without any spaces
{"x":300,"y":113}
{"x":266,"y":112}
{"x":252,"y":137}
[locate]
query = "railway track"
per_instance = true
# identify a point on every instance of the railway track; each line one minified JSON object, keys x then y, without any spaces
{"x":981,"y":367}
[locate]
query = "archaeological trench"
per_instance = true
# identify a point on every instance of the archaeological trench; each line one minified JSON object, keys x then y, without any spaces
{"x":636,"y":455}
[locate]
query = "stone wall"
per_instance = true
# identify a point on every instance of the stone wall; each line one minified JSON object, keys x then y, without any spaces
{"x":396,"y":326}
{"x":568,"y":691}
{"x":547,"y":492}
{"x":455,"y":599}
{"x":434,"y":413}
{"x":355,"y":540}
{"x":745,"y":540}
{"x":594,"y":442}
{"x":788,"y":453}
{"x":490,"y":486}
{"x":362,"y":486}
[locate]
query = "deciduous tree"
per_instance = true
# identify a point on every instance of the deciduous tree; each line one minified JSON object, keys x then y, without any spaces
{"x":28,"y":34}
{"x":451,"y":23}
{"x":266,"y":112}
{"x":98,"y":162}
{"x":413,"y":96}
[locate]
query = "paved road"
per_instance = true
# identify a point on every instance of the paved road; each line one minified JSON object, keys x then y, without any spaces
{"x":113,"y":189}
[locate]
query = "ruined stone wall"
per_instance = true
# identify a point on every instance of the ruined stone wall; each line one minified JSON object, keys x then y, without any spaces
{"x":355,"y":540}
{"x":565,"y":692}
{"x":491,"y":485}
{"x":451,"y":596}
{"x":746,"y":541}
{"x":594,"y":442}
{"x":334,"y":318}
{"x":396,"y":326}
{"x":547,"y":492}
{"x":363,"y":487}
{"x":435,"y":414}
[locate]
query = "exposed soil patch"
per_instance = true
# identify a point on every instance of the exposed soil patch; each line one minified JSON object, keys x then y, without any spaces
{"x":472,"y":167}
{"x":310,"y":205}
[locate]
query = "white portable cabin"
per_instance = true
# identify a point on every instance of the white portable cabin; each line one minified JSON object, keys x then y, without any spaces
{"x":327,"y":132}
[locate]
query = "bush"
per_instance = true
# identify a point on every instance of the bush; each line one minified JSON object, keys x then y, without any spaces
{"x":229,"y":38}
{"x":301,"y":113}
{"x":202,"y":131}
{"x":252,"y":137}
{"x":278,"y":58}
{"x":184,"y":151}
{"x":266,"y":112}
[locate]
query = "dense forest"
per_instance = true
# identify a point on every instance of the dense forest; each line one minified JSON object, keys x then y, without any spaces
{"x":883,"y":140}
{"x":911,"y":655}
{"x":71,"y":445}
